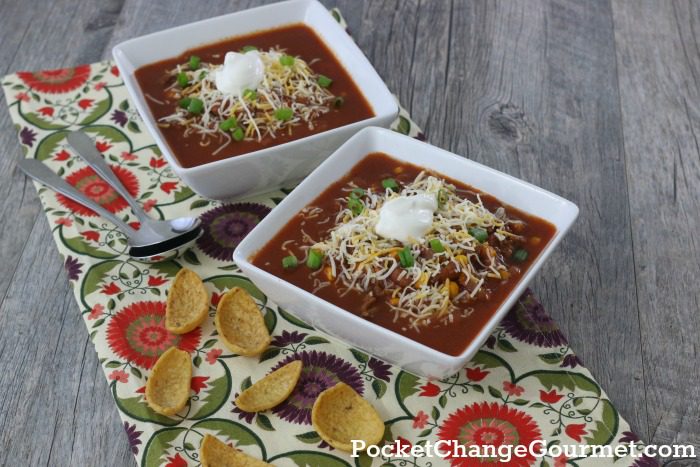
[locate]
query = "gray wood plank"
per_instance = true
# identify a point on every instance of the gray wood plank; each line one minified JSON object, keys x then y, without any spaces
{"x":52,"y":386}
{"x":53,"y":394}
{"x":658,"y":60}
{"x":528,"y":91}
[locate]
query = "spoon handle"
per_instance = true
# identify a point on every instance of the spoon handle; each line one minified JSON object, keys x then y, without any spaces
{"x":41,"y":173}
{"x":85,"y":147}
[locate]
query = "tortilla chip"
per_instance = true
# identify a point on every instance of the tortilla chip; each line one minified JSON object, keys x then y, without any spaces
{"x":188,"y":303}
{"x":341,"y":415}
{"x":272,"y":390}
{"x":241,"y":324}
{"x":168,"y":387}
{"x":215,"y":453}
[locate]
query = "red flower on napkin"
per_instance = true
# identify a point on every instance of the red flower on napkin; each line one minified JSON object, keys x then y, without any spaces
{"x":429,"y":390}
{"x":575,"y":431}
{"x":85,"y":103}
{"x":148,"y":204}
{"x":513,"y":389}
{"x":91,"y":235}
{"x":401,"y":446}
{"x":47,"y":111}
{"x":96,"y":311}
{"x":64,"y":221}
{"x":92,"y":185}
{"x":213,"y":355}
{"x":176,"y":461}
{"x":489,"y":424}
{"x":62,"y":155}
{"x":168,"y":186}
{"x":56,"y":81}
{"x":120,"y":376}
{"x":476,"y":374}
{"x":197,"y":383}
{"x":155,"y":281}
{"x":102,"y":146}
{"x":157,"y":163}
{"x":420,"y":420}
{"x":550,"y":397}
{"x":111,"y":289}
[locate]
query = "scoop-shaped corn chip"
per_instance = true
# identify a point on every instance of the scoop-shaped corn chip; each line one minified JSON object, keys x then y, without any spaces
{"x":215,"y":453}
{"x":272,"y":390}
{"x":341,"y":415}
{"x":168,"y":387}
{"x":188,"y":303}
{"x":241,"y":324}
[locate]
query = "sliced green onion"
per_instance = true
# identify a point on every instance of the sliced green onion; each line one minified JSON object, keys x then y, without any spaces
{"x":315,"y":259}
{"x":324,"y":81}
{"x":406,"y":258}
{"x":287,"y":60}
{"x":441,"y":198}
{"x":250,"y":94}
{"x":202,"y":75}
{"x":238,"y":134}
{"x":248,"y":48}
{"x":228,"y":124}
{"x":182,"y":79}
{"x":355,"y":205}
{"x":520,"y":255}
{"x":338,"y":102}
{"x":390,"y":183}
{"x":481,"y":235}
{"x":185,"y":102}
{"x":196,"y":106}
{"x":436,"y":245}
{"x":289,"y":262}
{"x":194,"y":62}
{"x":284,"y":114}
{"x":357,"y":193}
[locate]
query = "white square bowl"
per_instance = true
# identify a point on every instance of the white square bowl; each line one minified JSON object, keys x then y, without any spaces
{"x":385,"y":344}
{"x":276,"y":166}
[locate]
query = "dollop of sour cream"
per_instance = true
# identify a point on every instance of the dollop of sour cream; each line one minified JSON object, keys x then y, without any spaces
{"x":406,"y":218}
{"x":240,"y":71}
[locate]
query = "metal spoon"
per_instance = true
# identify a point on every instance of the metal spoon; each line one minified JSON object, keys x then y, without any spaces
{"x":84,"y":146}
{"x":145,"y":245}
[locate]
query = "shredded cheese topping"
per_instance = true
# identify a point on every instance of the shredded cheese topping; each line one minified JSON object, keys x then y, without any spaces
{"x":357,"y":258}
{"x":292,"y":86}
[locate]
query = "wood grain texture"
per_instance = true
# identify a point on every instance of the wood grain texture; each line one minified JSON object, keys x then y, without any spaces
{"x":529,"y":88}
{"x":658,"y":60}
{"x":596,"y":101}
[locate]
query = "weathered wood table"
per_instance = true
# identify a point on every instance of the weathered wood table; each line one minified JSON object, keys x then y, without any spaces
{"x":598,"y":101}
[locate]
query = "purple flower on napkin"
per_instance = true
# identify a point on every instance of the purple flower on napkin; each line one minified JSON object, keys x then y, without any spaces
{"x":571,"y":361}
{"x":73,"y":268}
{"x":320,"y":372}
{"x":133,"y":436}
{"x":119,"y":117}
{"x":380,"y":370}
{"x":27,"y":136}
{"x":226,"y":225}
{"x":242,"y":415}
{"x":287,"y":338}
{"x":528,"y":322}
